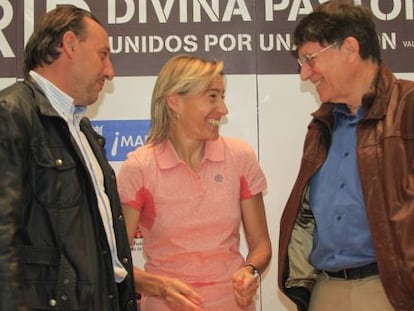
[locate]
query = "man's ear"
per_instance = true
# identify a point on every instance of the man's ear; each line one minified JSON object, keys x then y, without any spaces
{"x":69,"y":41}
{"x":351,"y":45}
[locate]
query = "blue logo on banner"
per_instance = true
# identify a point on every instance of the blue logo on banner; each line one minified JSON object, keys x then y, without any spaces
{"x":122,"y":136}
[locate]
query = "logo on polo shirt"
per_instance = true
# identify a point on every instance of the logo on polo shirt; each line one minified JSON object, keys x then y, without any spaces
{"x":122,"y":136}
{"x":218,"y":178}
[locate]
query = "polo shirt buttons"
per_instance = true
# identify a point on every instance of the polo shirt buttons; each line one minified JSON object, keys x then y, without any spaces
{"x":125,"y":260}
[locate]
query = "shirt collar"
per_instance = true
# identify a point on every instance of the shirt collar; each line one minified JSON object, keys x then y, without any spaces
{"x":342,"y":111}
{"x":167,"y":157}
{"x":60,"y":101}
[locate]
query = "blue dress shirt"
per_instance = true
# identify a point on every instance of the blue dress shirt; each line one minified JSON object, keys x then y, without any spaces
{"x":342,"y":238}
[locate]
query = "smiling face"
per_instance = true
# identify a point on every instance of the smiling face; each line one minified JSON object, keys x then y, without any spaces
{"x":199,"y":115}
{"x":328,"y":71}
{"x":92,"y":64}
{"x":339,"y":74}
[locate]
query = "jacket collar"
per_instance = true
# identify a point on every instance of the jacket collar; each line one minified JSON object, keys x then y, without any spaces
{"x":40,"y":98}
{"x":375,"y":102}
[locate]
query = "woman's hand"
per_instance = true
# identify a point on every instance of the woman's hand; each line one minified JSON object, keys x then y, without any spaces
{"x":245,"y":286}
{"x":179,"y":296}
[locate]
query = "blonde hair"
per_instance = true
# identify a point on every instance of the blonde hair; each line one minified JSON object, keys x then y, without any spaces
{"x":183,"y":75}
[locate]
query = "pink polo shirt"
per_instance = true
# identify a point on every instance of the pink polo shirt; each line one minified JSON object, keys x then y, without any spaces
{"x":190,"y":221}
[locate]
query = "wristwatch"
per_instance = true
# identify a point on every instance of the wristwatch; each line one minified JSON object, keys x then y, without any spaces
{"x":255,"y":272}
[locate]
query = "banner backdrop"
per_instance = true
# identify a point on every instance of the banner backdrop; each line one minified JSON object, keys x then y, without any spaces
{"x":268,"y":104}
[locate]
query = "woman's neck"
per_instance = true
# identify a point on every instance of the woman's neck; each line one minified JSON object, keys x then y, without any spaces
{"x":189,"y":150}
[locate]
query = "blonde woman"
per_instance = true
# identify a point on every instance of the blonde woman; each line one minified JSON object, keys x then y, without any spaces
{"x":189,"y":189}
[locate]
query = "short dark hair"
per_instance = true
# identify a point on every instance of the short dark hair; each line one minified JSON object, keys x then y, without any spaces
{"x":334,"y":21}
{"x":43,"y":44}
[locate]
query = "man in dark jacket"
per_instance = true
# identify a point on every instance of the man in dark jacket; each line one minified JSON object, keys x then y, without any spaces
{"x":62,"y":234}
{"x":346,"y":234}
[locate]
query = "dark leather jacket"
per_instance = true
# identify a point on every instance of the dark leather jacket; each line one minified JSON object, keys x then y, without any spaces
{"x":385,"y":152}
{"x":54,"y":252}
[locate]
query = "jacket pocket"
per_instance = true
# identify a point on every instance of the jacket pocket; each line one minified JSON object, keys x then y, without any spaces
{"x":50,"y":281}
{"x":43,"y":296}
{"x":56,"y":183}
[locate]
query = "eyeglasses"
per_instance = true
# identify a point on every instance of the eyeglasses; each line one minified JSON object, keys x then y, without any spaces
{"x":308,"y":58}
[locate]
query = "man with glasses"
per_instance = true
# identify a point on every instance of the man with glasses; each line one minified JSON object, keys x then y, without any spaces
{"x":346,"y":234}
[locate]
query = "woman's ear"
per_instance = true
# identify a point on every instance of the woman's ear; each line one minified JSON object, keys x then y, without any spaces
{"x":173,"y":102}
